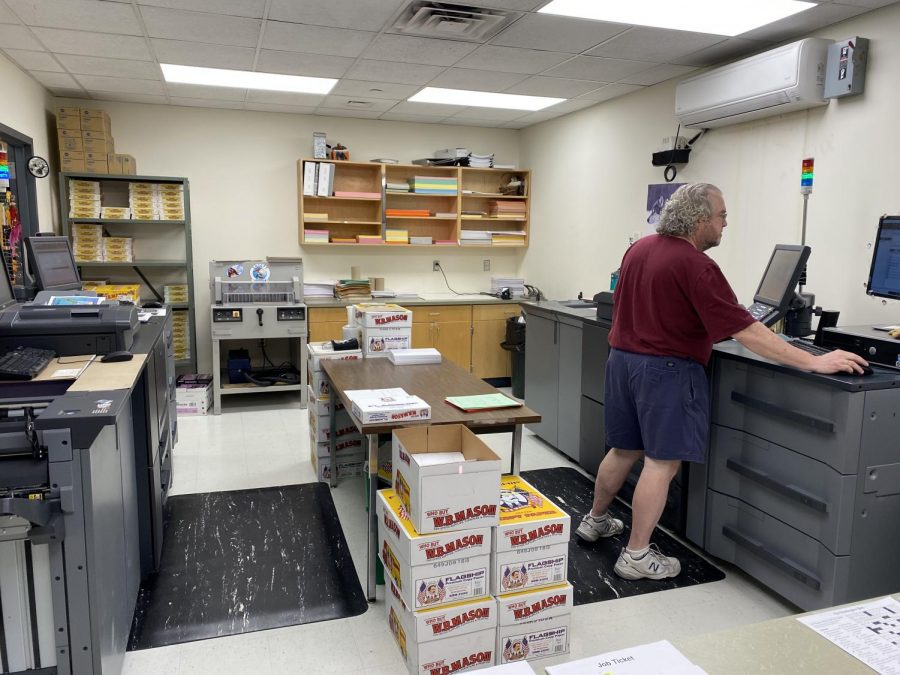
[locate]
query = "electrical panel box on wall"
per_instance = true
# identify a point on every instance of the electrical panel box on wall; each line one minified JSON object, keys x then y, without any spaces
{"x":845,"y":70}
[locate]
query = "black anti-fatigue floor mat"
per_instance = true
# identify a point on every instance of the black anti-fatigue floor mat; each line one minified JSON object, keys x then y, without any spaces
{"x":591,"y":565}
{"x":247,"y":560}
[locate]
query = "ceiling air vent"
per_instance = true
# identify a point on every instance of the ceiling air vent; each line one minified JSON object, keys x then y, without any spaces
{"x":452,"y":21}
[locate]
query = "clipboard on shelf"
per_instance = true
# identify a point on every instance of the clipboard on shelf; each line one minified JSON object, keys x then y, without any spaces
{"x":482,"y":402}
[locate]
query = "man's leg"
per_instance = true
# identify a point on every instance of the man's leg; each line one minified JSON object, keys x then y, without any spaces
{"x":638,"y":560}
{"x":611,"y":475}
{"x":650,"y":499}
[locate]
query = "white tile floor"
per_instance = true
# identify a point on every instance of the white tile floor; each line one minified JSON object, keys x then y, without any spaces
{"x":262,"y":440}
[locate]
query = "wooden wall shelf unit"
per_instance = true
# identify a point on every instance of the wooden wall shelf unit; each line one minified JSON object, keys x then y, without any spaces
{"x":475,"y":203}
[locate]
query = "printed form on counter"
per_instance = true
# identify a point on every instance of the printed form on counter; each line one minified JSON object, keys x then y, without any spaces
{"x":656,"y":658}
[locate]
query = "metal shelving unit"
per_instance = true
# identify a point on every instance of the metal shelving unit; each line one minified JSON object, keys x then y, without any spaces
{"x":153,"y":267}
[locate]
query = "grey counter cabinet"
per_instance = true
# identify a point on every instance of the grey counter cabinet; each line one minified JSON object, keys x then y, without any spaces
{"x":553,"y":377}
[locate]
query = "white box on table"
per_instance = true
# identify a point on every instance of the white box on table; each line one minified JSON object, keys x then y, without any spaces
{"x":373,"y":406}
{"x":323,"y":351}
{"x":446,"y":496}
{"x":376,"y":315}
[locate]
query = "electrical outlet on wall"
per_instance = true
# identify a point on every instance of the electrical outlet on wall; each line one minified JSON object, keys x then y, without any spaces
{"x":487,"y":265}
{"x":436,"y":266}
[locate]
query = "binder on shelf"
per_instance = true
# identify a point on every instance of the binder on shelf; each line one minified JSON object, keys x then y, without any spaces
{"x":325,"y":181}
{"x":310,"y":174}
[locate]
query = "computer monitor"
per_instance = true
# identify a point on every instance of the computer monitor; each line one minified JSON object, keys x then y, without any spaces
{"x":7,"y":297}
{"x":776,"y":288}
{"x":884,"y":272}
{"x":52,"y":263}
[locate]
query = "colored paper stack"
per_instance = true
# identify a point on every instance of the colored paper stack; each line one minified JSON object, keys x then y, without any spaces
{"x":369,"y":239}
{"x":508,"y":209}
{"x":433,"y":185}
{"x":508,"y":238}
{"x":352,"y":288}
{"x":315,"y":236}
{"x":349,"y":443}
{"x":395,"y":237}
{"x":407,"y":213}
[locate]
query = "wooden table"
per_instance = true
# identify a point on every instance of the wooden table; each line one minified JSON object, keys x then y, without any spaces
{"x":432,"y":383}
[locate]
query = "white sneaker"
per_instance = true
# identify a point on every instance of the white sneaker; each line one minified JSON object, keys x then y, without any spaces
{"x":591,"y":529}
{"x":652,"y":565}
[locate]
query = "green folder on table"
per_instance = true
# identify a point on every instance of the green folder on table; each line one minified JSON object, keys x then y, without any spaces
{"x":482,"y":402}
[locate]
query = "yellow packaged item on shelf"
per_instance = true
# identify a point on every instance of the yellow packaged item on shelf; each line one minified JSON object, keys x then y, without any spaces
{"x":129,"y":292}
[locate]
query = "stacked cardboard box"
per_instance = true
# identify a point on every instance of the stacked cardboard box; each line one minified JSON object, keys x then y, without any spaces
{"x":156,"y":201}
{"x":181,"y":332}
{"x":175,"y":293}
{"x":350,"y":445}
{"x":529,"y":564}
{"x":84,"y":199}
{"x":86,"y":142}
{"x":118,"y":249}
{"x":129,"y":292}
{"x":193,"y":394}
{"x":435,"y":534}
{"x":383,"y":327}
{"x":87,"y":242}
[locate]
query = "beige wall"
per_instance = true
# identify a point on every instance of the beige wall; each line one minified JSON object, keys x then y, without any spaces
{"x":27,"y":108}
{"x":243,"y":181}
{"x":591,"y":171}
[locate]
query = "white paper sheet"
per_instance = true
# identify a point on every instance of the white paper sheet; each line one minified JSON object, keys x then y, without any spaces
{"x":656,"y":658}
{"x":868,"y":631}
{"x":434,"y":458}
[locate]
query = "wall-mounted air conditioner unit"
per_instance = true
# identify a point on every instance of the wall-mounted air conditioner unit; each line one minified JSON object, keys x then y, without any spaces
{"x":787,"y":78}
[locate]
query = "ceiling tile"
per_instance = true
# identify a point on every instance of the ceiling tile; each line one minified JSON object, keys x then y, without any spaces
{"x":533,"y":118}
{"x":295,"y":37}
{"x":375,"y":104}
{"x":96,"y":65}
{"x":515,"y":124}
{"x":94,"y":44}
{"x":17,"y":37}
{"x":477,"y":80}
{"x":408,"y":49}
{"x":295,"y":63}
{"x":274,"y":107}
{"x":405,"y":117}
{"x":344,"y":112}
{"x":195,"y":26}
{"x":558,"y":87}
{"x":557,"y":33}
{"x":870,"y":4}
{"x":202,"y":91}
{"x":252,"y":9}
{"x":201,"y":54}
{"x":6,"y":16}
{"x":804,"y":22}
{"x":386,"y":89}
{"x":392,"y":71}
{"x":206,"y":103}
{"x":654,"y":44}
{"x":729,"y":50}
{"x":609,"y":91}
{"x":129,"y":98}
{"x":429,"y":109}
{"x":55,"y":80}
{"x":284,"y":98}
{"x":657,"y":74}
{"x":32,"y":60}
{"x":120,"y":84}
{"x":63,"y":92}
{"x":511,"y":59}
{"x":521,"y":5}
{"x":369,"y":15}
{"x":494,"y":114}
{"x":597,"y":69}
{"x":570,"y":106}
{"x":92,"y":15}
{"x":463,"y":122}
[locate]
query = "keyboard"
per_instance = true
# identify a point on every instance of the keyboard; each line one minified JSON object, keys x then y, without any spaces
{"x":809,"y":347}
{"x":24,"y":363}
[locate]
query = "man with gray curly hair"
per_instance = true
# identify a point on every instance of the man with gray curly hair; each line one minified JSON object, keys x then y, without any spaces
{"x":672,"y":303}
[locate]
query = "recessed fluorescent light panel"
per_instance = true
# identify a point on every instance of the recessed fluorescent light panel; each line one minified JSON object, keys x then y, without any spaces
{"x":483,"y":99}
{"x":718,"y":17}
{"x":244,"y":79}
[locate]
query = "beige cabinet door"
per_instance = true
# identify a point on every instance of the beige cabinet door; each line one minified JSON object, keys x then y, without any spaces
{"x":422,"y":335}
{"x":488,"y":331}
{"x":326,"y":330}
{"x":453,"y":339}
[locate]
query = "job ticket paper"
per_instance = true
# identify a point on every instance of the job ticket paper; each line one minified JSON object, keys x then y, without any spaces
{"x":869,"y":631}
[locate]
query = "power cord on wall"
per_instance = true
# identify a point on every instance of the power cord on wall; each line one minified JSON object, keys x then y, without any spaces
{"x":440,"y":267}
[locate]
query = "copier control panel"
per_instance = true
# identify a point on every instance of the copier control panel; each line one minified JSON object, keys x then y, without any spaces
{"x":291,"y":313}
{"x":227,"y":315}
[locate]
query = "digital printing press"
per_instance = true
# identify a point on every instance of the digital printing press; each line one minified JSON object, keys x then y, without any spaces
{"x":84,"y":475}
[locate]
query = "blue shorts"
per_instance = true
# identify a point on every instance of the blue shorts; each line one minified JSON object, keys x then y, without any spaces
{"x":658,"y":404}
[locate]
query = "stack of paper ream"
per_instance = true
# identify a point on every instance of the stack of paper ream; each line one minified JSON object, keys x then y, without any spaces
{"x":175,"y":293}
{"x":408,"y":357}
{"x":372,"y":406}
{"x":156,"y":201}
{"x":118,"y":249}
{"x":181,"y":335}
{"x":87,"y":242}
{"x":84,"y":198}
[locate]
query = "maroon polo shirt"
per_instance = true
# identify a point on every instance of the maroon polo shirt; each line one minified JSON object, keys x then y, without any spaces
{"x":673,"y":300}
